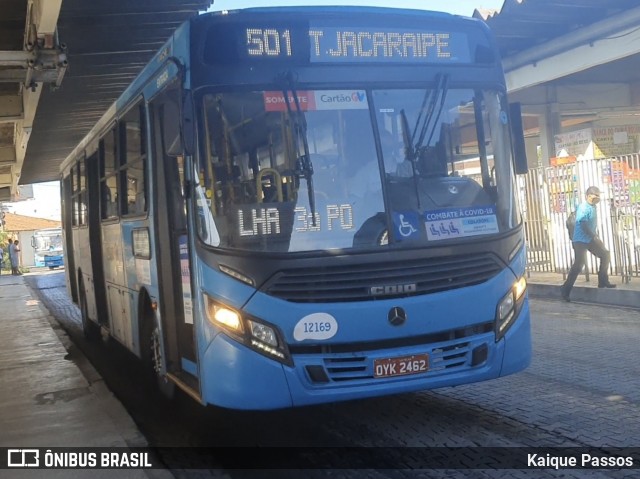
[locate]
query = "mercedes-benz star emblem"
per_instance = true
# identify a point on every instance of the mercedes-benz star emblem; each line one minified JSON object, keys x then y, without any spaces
{"x":453,"y":190}
{"x":397,"y":316}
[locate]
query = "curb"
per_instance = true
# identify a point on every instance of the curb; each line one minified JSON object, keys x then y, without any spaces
{"x":607,"y":297}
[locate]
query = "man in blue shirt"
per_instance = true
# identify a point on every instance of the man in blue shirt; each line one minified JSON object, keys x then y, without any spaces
{"x":586,"y":239}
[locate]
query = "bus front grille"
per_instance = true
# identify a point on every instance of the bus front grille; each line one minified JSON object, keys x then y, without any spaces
{"x":341,"y":369}
{"x":398,"y":279}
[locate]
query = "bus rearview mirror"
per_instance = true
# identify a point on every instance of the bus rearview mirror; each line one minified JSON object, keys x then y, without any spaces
{"x":517,"y":135}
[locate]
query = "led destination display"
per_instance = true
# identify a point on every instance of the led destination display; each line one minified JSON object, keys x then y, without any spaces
{"x":358,"y":45}
{"x":323,"y":44}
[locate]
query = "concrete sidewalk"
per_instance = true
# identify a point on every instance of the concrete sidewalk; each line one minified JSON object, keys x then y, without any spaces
{"x":50,"y":396}
{"x":547,"y":285}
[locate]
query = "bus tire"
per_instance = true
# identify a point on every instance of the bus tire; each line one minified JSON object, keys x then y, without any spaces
{"x":90,"y":329}
{"x":152,"y":355}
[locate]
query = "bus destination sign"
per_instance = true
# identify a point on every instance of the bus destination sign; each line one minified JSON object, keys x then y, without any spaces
{"x":318,"y":44}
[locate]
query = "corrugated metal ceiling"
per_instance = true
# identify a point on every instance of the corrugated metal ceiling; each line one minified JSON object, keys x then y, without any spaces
{"x":108,"y":42}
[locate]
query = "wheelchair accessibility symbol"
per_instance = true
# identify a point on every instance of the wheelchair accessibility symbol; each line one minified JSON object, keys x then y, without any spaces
{"x":406,"y":224}
{"x":406,"y":229}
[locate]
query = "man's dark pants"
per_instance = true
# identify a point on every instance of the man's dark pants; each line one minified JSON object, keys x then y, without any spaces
{"x":597,"y":248}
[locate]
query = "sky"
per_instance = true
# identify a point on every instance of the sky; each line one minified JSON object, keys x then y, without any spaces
{"x":458,"y":7}
{"x":46,"y":201}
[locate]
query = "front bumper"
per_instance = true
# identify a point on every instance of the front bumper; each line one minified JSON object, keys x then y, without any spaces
{"x":236,"y":377}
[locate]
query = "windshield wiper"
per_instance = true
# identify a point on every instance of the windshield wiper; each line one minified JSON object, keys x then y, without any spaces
{"x":412,"y":147}
{"x":410,"y":154}
{"x":440,"y":92}
{"x":304,"y":166}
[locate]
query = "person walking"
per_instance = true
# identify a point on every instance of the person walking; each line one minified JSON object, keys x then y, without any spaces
{"x":585,"y":238}
{"x":1,"y":258}
{"x":14,"y":256}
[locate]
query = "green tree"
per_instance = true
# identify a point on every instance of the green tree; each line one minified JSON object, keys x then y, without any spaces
{"x":4,"y":236}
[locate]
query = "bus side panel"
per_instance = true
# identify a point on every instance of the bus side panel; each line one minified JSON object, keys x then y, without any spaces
{"x":82,"y":251}
{"x":129,"y":301}
{"x":137,"y":276}
{"x":114,"y":278}
{"x":90,"y":294}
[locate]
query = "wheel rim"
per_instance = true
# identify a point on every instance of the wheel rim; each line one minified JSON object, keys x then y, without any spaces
{"x":84,"y":312}
{"x":156,"y":352}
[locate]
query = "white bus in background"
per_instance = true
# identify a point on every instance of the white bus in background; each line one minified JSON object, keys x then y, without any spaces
{"x":48,"y":247}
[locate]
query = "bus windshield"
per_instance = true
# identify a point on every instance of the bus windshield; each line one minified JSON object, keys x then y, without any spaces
{"x":47,"y":241}
{"x":308,"y":170}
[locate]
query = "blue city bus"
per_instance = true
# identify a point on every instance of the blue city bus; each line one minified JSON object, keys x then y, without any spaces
{"x":48,"y":249}
{"x":294,"y":206}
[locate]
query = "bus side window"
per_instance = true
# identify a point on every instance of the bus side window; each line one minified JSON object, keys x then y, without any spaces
{"x":170,"y":117}
{"x":133,"y":170}
{"x":172,"y":155}
{"x":108,"y":176}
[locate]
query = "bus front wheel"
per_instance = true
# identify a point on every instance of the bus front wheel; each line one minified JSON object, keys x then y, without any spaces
{"x":153,"y":358}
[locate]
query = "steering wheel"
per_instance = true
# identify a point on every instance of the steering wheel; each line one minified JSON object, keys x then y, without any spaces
{"x":373,"y":232}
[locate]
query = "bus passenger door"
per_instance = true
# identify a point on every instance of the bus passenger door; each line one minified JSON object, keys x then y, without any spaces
{"x":172,"y":243}
{"x":67,"y":220}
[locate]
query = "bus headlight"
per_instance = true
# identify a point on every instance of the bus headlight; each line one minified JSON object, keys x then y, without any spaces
{"x":223,"y":316}
{"x":509,"y":307}
{"x":505,"y":310}
{"x":519,"y":287}
{"x":263,"y":333}
{"x":257,"y":335}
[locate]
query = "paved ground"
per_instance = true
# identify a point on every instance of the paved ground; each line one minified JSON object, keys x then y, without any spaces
{"x":50,"y":396}
{"x":581,"y":390}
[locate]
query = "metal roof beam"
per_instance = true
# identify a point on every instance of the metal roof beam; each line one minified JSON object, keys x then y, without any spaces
{"x":45,"y":15}
{"x":611,"y":27}
{"x":7,"y":155}
{"x":580,"y":58}
{"x":42,"y":61}
{"x":16,"y":58}
{"x":10,"y":108}
{"x":37,"y":65}
{"x":108,"y":41}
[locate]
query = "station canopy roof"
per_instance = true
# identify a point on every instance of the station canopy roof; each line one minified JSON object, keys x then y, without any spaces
{"x":105,"y":44}
{"x":109,"y":41}
{"x":524,"y":24}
